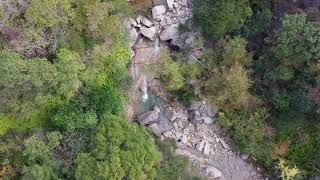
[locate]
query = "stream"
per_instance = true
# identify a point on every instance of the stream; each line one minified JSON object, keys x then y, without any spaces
{"x":193,"y":128}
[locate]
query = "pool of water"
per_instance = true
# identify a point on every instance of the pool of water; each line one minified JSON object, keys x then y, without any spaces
{"x":149,"y":104}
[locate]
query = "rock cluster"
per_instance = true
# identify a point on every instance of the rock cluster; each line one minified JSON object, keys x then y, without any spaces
{"x":164,"y":22}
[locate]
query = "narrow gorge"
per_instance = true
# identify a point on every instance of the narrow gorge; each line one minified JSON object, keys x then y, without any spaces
{"x":194,"y":127}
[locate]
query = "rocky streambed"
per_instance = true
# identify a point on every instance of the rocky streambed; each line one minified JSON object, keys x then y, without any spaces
{"x":192,"y":127}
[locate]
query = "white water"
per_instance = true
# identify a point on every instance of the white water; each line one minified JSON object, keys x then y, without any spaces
{"x":156,"y":45}
{"x":140,"y":40}
{"x":144,"y":90}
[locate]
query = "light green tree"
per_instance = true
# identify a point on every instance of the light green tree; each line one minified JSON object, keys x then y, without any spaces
{"x":121,"y":150}
{"x":39,"y":163}
{"x":29,"y":86}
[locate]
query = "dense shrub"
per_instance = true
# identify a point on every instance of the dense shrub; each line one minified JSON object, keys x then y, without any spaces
{"x":225,"y":78}
{"x":174,"y":167}
{"x":121,"y":150}
{"x":249,"y":130}
{"x":220,"y":17}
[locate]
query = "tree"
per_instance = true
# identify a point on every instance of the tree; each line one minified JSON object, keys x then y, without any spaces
{"x":250,"y":131}
{"x":291,"y":64}
{"x":40,"y":164}
{"x":28,"y":87}
{"x":121,"y":150}
{"x":220,"y":17}
{"x":101,"y":19}
{"x":228,"y":87}
{"x":226,"y":82}
{"x":260,"y":19}
{"x":48,"y":13}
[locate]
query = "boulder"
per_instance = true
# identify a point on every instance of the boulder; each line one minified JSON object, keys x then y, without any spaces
{"x":150,"y":33}
{"x":184,"y":2}
{"x":170,"y":32}
{"x":212,"y":111}
{"x":194,"y":106}
{"x":200,"y":146}
{"x":171,"y":115}
{"x":213,"y":172}
{"x":133,"y":34}
{"x":159,"y":128}
{"x":158,"y":12}
{"x":224,"y":144}
{"x":145,"y":21}
{"x":149,"y":117}
{"x":208,"y":120}
{"x":244,"y":156}
{"x":170,"y":4}
{"x":133,"y":22}
{"x":206,"y":149}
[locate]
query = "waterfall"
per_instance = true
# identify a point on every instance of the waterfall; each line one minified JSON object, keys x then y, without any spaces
{"x":140,"y":40}
{"x":156,"y":45}
{"x":144,"y":90}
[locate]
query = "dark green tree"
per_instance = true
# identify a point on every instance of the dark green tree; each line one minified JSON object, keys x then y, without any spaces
{"x":220,"y":17}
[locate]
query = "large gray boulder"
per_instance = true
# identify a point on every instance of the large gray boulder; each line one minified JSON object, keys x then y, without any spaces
{"x":170,"y":32}
{"x":150,"y":33}
{"x":145,"y":21}
{"x":158,"y":12}
{"x":149,"y":117}
{"x":208,"y":120}
{"x":159,"y":128}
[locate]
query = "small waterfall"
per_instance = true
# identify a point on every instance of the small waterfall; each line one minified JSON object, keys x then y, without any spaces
{"x":140,"y":40}
{"x":156,"y":45}
{"x":144,"y":90}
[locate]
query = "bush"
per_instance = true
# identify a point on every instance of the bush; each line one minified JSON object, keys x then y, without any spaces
{"x":173,"y":167}
{"x":171,"y":72}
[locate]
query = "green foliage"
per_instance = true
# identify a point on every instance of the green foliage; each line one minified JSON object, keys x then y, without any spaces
{"x":11,"y":148}
{"x":226,"y":82}
{"x":298,"y":41}
{"x":183,"y":28}
{"x":289,"y":68}
{"x":228,"y":86}
{"x":260,"y":18}
{"x":39,"y":161}
{"x":121,"y":150}
{"x":84,"y":111}
{"x":109,"y":67}
{"x":220,"y":17}
{"x":29,"y":86}
{"x":48,"y":13}
{"x":171,"y":72}
{"x":173,"y":167}
{"x":186,"y":95}
{"x":249,"y":130}
{"x":101,"y":18}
